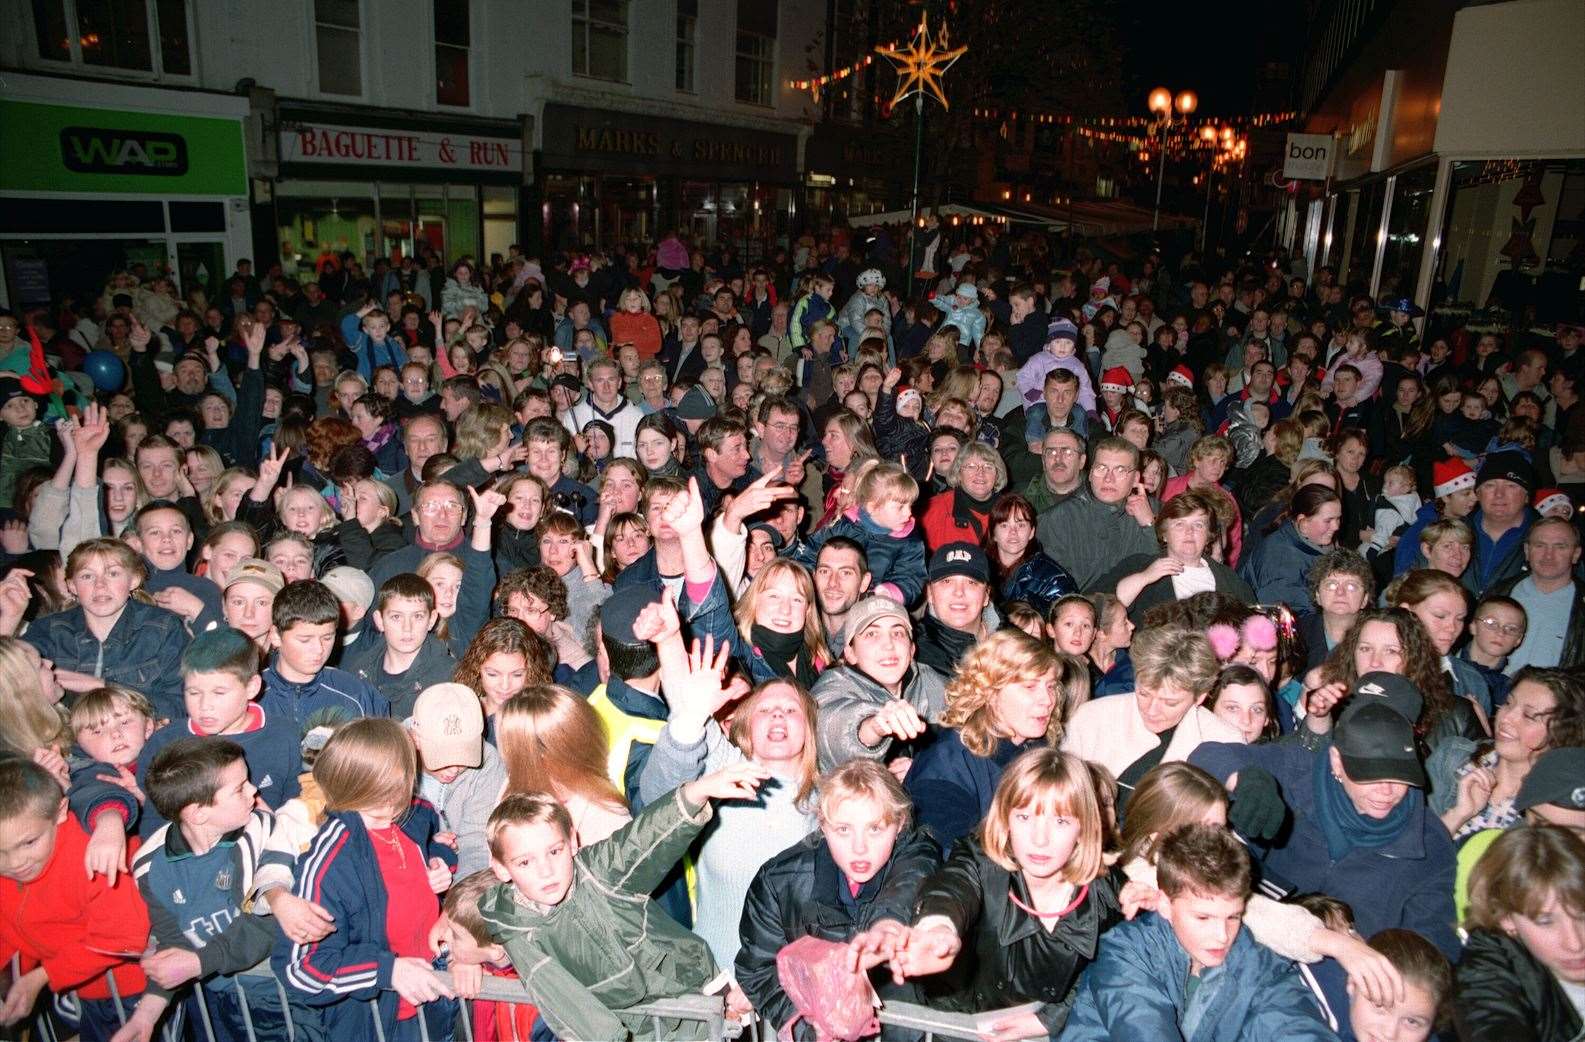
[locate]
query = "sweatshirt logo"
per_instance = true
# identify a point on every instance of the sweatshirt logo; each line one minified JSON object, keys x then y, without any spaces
{"x":265,"y":782}
{"x":178,"y":897}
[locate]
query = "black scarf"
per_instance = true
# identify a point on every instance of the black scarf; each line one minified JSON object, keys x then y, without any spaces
{"x":781,"y":648}
{"x":940,"y":646}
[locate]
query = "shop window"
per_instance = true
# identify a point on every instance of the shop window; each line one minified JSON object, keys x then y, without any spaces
{"x":148,"y":36}
{"x":338,"y":39}
{"x":599,"y":39}
{"x":687,"y":23}
{"x":452,"y":37}
{"x":500,"y":218}
{"x":756,"y":50}
{"x":1406,"y":227}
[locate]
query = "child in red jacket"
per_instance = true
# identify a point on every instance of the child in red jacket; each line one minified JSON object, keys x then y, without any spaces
{"x":71,"y":931}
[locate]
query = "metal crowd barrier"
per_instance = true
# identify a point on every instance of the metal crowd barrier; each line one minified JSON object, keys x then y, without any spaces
{"x":705,"y":1010}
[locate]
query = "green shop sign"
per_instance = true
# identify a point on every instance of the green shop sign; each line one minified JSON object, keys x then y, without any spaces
{"x":60,"y":148}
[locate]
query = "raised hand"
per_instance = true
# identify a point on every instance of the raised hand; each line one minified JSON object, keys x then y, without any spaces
{"x":485,"y":504}
{"x":270,"y":468}
{"x":893,"y":378}
{"x":685,"y":513}
{"x":253,"y":340}
{"x":140,"y":336}
{"x":794,"y":473}
{"x":740,"y":781}
{"x":895,"y":719}
{"x":14,"y":536}
{"x":759,"y":496}
{"x":92,"y":430}
{"x":658,"y":621}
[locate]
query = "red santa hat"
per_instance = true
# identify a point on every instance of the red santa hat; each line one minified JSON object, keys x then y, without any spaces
{"x":1118,"y":379}
{"x":1181,"y":375}
{"x":1549,"y":499}
{"x":1449,"y":476}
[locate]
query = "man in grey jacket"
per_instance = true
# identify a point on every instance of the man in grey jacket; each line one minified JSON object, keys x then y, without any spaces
{"x":1110,"y":520}
{"x":877,"y":701}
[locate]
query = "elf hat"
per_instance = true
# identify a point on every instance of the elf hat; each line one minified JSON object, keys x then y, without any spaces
{"x":1117,"y":379}
{"x":1548,"y":500}
{"x":1449,"y":476}
{"x":1181,"y":375}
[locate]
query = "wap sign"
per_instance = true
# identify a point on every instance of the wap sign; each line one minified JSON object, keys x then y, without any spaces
{"x":98,"y":150}
{"x":1308,"y":157}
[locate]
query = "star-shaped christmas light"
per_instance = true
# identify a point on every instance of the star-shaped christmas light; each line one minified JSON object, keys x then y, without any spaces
{"x":922,"y":63}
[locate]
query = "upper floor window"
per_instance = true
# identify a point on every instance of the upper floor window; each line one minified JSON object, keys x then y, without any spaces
{"x":338,"y":41}
{"x":687,"y":23}
{"x":149,"y":36}
{"x":599,"y":39}
{"x":756,"y":51}
{"x":452,"y":40}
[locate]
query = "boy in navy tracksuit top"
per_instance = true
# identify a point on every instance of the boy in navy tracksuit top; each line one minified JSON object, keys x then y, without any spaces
{"x":221,"y":691}
{"x":196,"y":877}
{"x":303,"y":627}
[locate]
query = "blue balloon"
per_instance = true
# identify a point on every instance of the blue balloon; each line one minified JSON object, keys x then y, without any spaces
{"x":105,"y":370}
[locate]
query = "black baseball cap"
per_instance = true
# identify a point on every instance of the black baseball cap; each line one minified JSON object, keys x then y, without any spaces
{"x":776,"y":541}
{"x":965,"y":559}
{"x":1558,"y":777}
{"x":1398,"y":693}
{"x":1377,"y":744}
{"x":621,"y":610}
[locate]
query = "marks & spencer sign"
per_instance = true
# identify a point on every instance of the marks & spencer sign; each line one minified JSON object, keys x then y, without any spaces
{"x":601,"y":140}
{"x":399,"y":148}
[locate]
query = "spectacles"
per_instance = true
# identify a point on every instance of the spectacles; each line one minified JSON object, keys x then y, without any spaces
{"x":1117,"y":470}
{"x":1346,"y":586}
{"x":1060,"y":453}
{"x":783,"y":428}
{"x":978,"y":467}
{"x":440,"y":508}
{"x":1507,"y":629}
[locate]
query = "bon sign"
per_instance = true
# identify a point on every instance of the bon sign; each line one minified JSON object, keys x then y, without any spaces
{"x":1308,"y":157}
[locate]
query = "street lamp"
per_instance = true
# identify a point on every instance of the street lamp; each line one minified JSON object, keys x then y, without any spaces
{"x":1162,"y":103}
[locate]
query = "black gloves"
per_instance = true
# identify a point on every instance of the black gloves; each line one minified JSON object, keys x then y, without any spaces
{"x":1257,"y":811}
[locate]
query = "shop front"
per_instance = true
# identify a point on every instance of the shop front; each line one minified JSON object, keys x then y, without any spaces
{"x":375,"y":185}
{"x":851,"y":172}
{"x":607,"y":177}
{"x":100,"y":178}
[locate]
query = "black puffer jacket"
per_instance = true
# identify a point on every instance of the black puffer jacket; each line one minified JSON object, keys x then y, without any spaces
{"x":1504,"y":995}
{"x":800,"y":892}
{"x":1008,"y":958}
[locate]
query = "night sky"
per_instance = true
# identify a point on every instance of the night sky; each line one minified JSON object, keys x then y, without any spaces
{"x":1213,"y":49}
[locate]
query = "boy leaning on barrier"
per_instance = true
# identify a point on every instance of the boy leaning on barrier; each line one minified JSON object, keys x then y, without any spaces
{"x":195,"y":873}
{"x":71,"y":931}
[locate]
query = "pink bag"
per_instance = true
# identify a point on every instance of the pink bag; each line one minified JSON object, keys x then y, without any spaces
{"x":837,"y":1001}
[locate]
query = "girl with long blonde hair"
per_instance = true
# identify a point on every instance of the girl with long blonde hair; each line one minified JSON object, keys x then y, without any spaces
{"x":780,"y":624}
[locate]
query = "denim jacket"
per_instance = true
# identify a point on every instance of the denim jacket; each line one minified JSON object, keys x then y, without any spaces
{"x":140,"y":652}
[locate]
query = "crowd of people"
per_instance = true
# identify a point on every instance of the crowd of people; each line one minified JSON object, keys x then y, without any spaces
{"x":1105,"y":650}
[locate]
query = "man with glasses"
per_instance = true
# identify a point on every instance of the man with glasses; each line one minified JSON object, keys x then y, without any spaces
{"x":1062,"y":462}
{"x":439,"y":514}
{"x":1111,"y":519}
{"x":1552,"y":598}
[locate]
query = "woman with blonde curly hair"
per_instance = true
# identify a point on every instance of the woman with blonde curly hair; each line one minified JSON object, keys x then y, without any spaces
{"x":504,"y":659}
{"x":1010,"y":693}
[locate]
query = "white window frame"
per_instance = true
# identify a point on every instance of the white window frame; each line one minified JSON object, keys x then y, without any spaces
{"x":586,"y":19}
{"x":155,"y":74}
{"x":770,"y":80}
{"x":312,"y":29}
{"x":692,"y":43}
{"x":473,"y":64}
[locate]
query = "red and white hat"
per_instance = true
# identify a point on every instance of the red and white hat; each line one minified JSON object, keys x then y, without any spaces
{"x":1181,"y":375}
{"x":1449,"y":476}
{"x":1117,"y":379}
{"x":1548,"y":500}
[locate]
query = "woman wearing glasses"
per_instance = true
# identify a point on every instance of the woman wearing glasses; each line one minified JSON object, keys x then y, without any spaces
{"x":962,"y":514}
